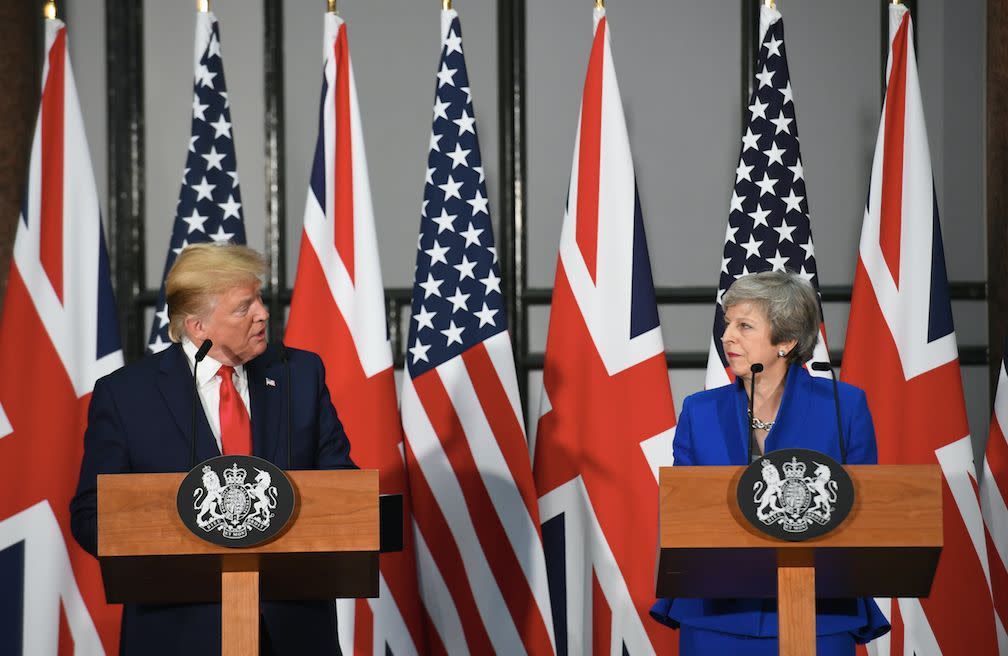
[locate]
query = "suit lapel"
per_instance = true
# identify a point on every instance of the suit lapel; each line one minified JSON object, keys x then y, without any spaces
{"x":794,"y":411}
{"x":175,"y":384}
{"x":265,"y":404}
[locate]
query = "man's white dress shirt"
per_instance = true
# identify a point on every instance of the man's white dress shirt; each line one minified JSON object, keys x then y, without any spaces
{"x":209,"y":387}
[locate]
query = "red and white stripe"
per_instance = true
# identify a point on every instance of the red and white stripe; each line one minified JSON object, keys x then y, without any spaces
{"x":993,"y":493}
{"x":607,"y":415}
{"x":49,"y":332}
{"x":338,"y":311}
{"x":483,"y":577}
{"x":910,"y":369}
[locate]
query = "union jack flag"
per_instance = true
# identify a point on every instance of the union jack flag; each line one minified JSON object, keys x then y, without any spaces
{"x":607,"y":418}
{"x":479,"y":551}
{"x":768,"y":221}
{"x":58,"y":334}
{"x":901,"y":349}
{"x":338,"y":311}
{"x":993,"y":493}
{"x":209,"y":205}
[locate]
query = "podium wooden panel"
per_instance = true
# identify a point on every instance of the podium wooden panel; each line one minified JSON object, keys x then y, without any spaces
{"x":888,"y":546}
{"x":328,"y":550}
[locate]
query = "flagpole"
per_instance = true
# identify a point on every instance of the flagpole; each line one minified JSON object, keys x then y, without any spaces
{"x":203,"y":6}
{"x":446,"y":5}
{"x":330,"y":6}
{"x":770,"y":3}
{"x":600,"y":4}
{"x":49,"y":10}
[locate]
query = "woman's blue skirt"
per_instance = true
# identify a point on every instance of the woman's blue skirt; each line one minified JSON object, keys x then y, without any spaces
{"x":701,"y":642}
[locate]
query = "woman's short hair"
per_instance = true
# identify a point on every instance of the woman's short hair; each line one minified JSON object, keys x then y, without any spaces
{"x":790,"y":303}
{"x":200,"y":273}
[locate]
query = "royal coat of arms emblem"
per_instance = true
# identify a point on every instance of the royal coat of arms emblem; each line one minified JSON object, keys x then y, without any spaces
{"x":795,"y":494}
{"x":236,"y":507}
{"x":237,"y":504}
{"x":796,"y":500}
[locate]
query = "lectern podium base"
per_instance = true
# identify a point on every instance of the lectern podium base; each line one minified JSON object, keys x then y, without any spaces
{"x":240,"y":613}
{"x":796,"y":602}
{"x":329,"y":550}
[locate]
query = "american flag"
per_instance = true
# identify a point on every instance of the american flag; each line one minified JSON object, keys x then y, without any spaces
{"x":338,"y":311}
{"x":479,"y":551}
{"x":901,"y":349}
{"x":768,"y":221}
{"x":993,"y":495}
{"x":58,"y":334}
{"x":607,"y":418}
{"x":209,"y":205}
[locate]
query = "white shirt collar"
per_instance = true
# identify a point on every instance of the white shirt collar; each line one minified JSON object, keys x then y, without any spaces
{"x":208,"y":366}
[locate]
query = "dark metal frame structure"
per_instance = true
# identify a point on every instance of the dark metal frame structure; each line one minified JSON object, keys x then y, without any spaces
{"x":124,"y":30}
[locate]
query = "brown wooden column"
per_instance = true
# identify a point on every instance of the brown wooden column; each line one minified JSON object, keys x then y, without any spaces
{"x":997,"y":184}
{"x":20,"y":47}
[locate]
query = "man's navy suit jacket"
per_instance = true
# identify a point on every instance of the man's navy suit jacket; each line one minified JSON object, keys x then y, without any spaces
{"x":139,"y":421}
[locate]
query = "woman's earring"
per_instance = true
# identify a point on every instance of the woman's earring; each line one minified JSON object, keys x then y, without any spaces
{"x":781,"y":353}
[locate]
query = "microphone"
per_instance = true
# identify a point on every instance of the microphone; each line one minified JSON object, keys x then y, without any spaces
{"x":200,"y":354}
{"x":825,"y":366}
{"x":755,"y":369}
{"x":287,"y":382}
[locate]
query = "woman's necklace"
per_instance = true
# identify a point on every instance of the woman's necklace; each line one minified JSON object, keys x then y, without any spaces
{"x":759,"y":425}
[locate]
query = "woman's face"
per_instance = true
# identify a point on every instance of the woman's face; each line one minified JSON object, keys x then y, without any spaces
{"x":746,"y":341}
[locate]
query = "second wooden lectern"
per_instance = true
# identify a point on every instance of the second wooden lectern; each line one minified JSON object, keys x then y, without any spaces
{"x":887,"y":547}
{"x":329,"y":550}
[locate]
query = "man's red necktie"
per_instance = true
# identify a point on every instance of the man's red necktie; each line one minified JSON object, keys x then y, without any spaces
{"x":236,"y":430}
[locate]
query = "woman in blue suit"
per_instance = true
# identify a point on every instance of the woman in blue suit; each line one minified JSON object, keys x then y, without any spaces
{"x":772,"y":319}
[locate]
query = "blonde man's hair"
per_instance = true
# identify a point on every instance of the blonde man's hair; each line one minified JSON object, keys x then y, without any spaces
{"x":200,"y":273}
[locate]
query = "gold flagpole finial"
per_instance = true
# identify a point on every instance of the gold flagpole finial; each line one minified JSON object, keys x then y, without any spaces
{"x":770,"y":3}
{"x":203,"y":6}
{"x":897,"y":2}
{"x":49,"y":11}
{"x":445,"y":5}
{"x":600,"y":4}
{"x":330,"y":6}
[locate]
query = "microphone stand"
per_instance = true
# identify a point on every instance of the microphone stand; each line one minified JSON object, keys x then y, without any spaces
{"x":825,"y":366}
{"x":753,"y":370}
{"x":287,"y":383}
{"x":200,"y":354}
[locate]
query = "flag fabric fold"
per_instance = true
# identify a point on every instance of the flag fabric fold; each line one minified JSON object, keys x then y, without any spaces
{"x":607,"y":417}
{"x":476,"y":523}
{"x":901,"y":349}
{"x":209,"y":204}
{"x":59,"y":333}
{"x":338,"y":311}
{"x":993,"y":495}
{"x":768,"y":220}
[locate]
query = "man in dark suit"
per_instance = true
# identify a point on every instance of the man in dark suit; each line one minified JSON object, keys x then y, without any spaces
{"x":140,"y":418}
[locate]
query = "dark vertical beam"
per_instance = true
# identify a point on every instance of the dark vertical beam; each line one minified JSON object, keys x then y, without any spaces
{"x":512,"y":242}
{"x":750,"y":52}
{"x":124,"y":75}
{"x":997,"y":191}
{"x":276,"y":219}
{"x":21,"y":46}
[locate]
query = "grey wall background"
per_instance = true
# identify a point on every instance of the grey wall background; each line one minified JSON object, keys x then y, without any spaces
{"x":679,"y":67}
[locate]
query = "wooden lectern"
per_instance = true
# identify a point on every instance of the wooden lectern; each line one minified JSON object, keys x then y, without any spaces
{"x":328,"y":550}
{"x":887,"y":547}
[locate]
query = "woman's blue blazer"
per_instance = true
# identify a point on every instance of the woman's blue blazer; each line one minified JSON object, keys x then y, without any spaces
{"x":712,"y":430}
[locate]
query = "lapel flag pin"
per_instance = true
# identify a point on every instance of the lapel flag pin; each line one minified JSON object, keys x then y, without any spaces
{"x":270,"y":382}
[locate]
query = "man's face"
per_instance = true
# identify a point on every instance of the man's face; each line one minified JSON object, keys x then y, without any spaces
{"x":236,"y":323}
